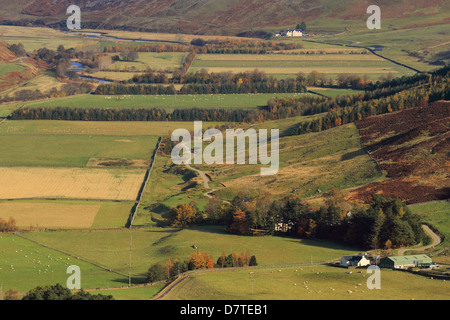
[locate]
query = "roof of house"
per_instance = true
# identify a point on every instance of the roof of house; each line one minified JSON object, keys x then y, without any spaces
{"x":409,"y":259}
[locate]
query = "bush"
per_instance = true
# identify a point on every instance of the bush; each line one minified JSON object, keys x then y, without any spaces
{"x":156,"y":272}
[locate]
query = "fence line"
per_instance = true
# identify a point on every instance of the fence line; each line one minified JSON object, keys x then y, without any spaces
{"x":143,"y":187}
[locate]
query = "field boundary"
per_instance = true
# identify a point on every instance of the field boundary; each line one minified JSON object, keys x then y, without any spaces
{"x":135,"y":208}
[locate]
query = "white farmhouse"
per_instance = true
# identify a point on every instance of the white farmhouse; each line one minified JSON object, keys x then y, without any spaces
{"x":357,"y":260}
{"x":293,"y":33}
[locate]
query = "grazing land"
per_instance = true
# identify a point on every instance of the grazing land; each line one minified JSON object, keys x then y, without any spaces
{"x":25,"y":265}
{"x":168,"y":102}
{"x":306,"y":283}
{"x":156,"y":245}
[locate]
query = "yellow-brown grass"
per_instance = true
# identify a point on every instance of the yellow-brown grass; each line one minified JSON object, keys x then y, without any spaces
{"x":50,"y":215}
{"x":70,"y":183}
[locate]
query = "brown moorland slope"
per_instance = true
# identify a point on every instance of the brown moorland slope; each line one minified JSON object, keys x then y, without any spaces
{"x":413,"y":147}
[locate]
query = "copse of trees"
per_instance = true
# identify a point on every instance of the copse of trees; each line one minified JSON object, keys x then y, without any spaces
{"x":198,"y":260}
{"x":58,"y":292}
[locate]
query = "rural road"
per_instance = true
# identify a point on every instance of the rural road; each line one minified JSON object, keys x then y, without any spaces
{"x":434,"y":236}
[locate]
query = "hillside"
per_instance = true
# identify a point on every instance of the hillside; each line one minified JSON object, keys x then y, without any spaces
{"x":5,"y":54}
{"x":413,"y":147}
{"x":220,"y":16}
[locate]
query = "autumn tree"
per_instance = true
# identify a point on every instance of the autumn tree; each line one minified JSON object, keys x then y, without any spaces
{"x":182,"y":215}
{"x":239,"y":224}
{"x":200,"y":260}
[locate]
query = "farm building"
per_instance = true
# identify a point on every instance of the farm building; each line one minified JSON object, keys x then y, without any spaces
{"x":293,"y":33}
{"x":357,"y":260}
{"x":402,"y":262}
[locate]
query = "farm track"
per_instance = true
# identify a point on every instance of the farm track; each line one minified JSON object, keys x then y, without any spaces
{"x":434,"y":236}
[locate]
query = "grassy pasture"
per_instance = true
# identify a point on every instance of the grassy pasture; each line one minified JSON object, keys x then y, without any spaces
{"x":156,"y":245}
{"x":153,"y":60}
{"x":163,"y":101}
{"x":25,"y":265}
{"x":71,"y":150}
{"x":70,"y":183}
{"x":34,"y":38}
{"x":307,"y":283}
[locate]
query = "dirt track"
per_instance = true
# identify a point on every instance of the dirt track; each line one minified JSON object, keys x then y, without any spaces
{"x":434,"y":236}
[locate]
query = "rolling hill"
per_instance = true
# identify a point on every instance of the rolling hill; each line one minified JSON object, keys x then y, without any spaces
{"x":221,"y":16}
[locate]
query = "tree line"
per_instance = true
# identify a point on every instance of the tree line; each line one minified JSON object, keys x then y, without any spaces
{"x":387,"y":223}
{"x":197,"y":261}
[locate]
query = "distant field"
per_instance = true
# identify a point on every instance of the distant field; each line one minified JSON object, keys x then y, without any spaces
{"x":153,"y":60}
{"x":70,"y":183}
{"x":25,"y":265}
{"x":71,"y":150}
{"x":292,"y":64}
{"x":115,"y":131}
{"x":34,"y":38}
{"x":164,"y":101}
{"x":307,"y":283}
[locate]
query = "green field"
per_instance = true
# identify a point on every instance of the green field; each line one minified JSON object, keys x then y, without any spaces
{"x":328,"y":64}
{"x":153,"y":245}
{"x":71,"y":151}
{"x":153,"y":60}
{"x":21,"y":260}
{"x":307,"y":283}
{"x":164,"y":101}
